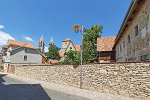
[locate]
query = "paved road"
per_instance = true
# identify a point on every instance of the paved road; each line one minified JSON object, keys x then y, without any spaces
{"x":12,"y":89}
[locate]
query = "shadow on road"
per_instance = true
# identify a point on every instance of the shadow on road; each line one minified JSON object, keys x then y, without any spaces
{"x":21,"y":91}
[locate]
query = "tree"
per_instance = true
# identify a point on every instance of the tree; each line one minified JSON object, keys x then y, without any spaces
{"x":90,"y":54}
{"x":53,"y":53}
{"x":39,"y":49}
{"x":71,"y":57}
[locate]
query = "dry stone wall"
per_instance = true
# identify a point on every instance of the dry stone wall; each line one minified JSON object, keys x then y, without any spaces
{"x":128,"y":78}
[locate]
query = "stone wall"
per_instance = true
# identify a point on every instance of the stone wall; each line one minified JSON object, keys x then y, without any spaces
{"x":12,"y":69}
{"x":125,"y":78}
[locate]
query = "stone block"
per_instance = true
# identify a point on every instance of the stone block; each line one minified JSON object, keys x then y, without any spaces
{"x":117,"y":68}
{"x":115,"y":73}
{"x":103,"y":71}
{"x":113,"y":91}
{"x":124,"y":93}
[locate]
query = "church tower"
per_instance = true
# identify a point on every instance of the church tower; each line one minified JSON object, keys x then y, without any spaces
{"x":41,"y":44}
{"x":51,"y":43}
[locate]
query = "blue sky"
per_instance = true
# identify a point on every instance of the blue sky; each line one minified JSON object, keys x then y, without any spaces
{"x":27,"y":20}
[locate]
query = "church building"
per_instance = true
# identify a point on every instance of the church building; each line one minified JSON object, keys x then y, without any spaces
{"x":41,"y":44}
{"x":67,"y":45}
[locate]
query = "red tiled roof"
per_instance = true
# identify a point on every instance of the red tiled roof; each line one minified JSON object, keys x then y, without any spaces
{"x":78,"y":47}
{"x":68,"y":39}
{"x":60,"y":53}
{"x":4,"y":46}
{"x":105,"y":43}
{"x":46,"y":63}
{"x":18,"y":43}
{"x":53,"y":61}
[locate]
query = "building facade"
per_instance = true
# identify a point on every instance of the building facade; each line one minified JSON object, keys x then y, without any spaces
{"x":133,"y":40}
{"x":105,"y":49}
{"x":67,"y":45}
{"x":20,"y":53}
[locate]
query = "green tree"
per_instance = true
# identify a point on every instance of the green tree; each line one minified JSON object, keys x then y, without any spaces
{"x":53,"y":53}
{"x":39,"y":49}
{"x":71,"y":57}
{"x":90,"y":54}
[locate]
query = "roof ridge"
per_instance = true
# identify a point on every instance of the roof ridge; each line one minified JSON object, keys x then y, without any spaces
{"x":16,"y":41}
{"x":107,"y":36}
{"x":19,"y":43}
{"x":68,"y":39}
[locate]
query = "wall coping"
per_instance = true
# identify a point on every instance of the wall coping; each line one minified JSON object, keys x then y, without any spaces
{"x":145,"y":61}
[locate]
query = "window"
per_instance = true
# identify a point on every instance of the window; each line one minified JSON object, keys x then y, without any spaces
{"x":25,"y":49}
{"x":120,"y":48}
{"x":145,"y":57}
{"x":136,"y":30}
{"x":70,"y":48}
{"x":129,"y":39}
{"x":25,"y":58}
{"x":123,"y":44}
{"x":65,"y":44}
{"x":130,"y":59}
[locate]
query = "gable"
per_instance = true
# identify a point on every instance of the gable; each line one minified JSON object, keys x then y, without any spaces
{"x":21,"y":50}
{"x":8,"y":43}
{"x":69,"y":46}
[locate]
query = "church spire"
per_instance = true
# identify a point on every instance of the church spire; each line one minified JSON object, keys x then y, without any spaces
{"x":41,"y":44}
{"x":42,"y":39}
{"x":51,"y":39}
{"x":51,"y":43}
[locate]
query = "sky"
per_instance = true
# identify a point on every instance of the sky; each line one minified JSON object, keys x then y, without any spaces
{"x":27,"y":20}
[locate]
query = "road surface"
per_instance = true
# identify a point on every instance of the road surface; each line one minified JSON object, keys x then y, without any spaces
{"x":12,"y":89}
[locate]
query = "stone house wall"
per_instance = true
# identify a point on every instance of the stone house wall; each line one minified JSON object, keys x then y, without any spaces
{"x":140,"y":44}
{"x":125,"y":78}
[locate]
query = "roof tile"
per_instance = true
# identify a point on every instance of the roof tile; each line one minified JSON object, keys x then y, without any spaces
{"x":68,"y":39}
{"x":60,"y":53}
{"x":18,"y":43}
{"x":105,"y":43}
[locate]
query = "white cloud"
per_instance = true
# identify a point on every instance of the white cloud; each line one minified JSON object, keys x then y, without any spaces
{"x":46,"y":49}
{"x":4,"y":38}
{"x":1,"y":26}
{"x":27,"y":38}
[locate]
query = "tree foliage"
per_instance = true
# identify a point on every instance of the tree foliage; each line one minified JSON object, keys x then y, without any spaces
{"x":53,"y":53}
{"x":39,"y":49}
{"x":90,"y":54}
{"x":71,"y":57}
